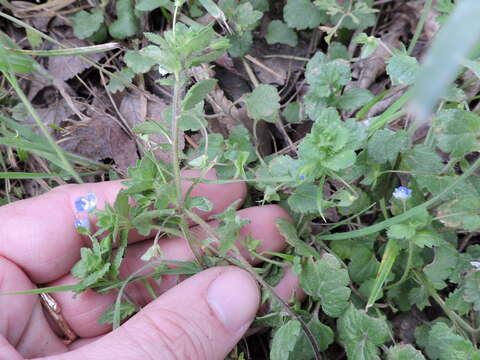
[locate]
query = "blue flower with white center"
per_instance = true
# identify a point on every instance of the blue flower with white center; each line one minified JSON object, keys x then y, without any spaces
{"x":86,"y":204}
{"x":82,"y":223}
{"x":402,"y":193}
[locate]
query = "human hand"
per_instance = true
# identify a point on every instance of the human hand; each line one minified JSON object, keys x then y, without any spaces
{"x":202,"y":317}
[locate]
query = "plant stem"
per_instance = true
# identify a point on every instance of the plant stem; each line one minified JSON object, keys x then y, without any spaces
{"x":450,"y":313}
{"x":175,"y":140}
{"x":149,"y":288}
{"x":13,"y":81}
{"x":239,"y":260}
{"x":420,"y":25}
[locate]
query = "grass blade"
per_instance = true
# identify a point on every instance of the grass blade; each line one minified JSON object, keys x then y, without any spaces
{"x":456,"y":39}
{"x":388,"y":259}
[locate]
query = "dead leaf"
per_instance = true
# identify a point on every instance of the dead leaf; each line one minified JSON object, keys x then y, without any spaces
{"x":66,"y":67}
{"x":101,"y":139}
{"x":133,"y":110}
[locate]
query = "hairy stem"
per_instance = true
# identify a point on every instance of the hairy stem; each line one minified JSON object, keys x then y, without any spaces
{"x":177,"y":89}
{"x":240,"y":261}
{"x":450,"y":313}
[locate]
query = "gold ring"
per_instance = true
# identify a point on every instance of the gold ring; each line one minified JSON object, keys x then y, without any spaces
{"x":55,"y":312}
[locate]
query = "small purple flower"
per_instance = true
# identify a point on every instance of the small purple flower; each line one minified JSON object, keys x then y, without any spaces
{"x":82,"y":223}
{"x":86,"y":204}
{"x":302,"y":177}
{"x":402,"y":193}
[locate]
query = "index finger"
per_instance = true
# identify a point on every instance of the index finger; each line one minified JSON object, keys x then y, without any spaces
{"x":39,"y":235}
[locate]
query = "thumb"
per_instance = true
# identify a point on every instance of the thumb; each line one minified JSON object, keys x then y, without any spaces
{"x":201,"y":318}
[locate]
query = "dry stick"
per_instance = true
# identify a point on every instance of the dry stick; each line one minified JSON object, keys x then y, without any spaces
{"x":263,"y":66}
{"x":240,"y":260}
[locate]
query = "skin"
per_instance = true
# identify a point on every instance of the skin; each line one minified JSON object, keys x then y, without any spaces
{"x":202,"y":317}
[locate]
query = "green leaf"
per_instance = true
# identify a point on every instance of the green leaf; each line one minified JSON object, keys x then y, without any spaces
{"x":260,"y":5}
{"x":290,"y":342}
{"x":363,"y":264}
{"x":127,"y":24}
{"x":127,"y":309}
{"x":385,"y":145}
{"x":370,"y":44}
{"x":200,"y":202}
{"x":138,"y":63}
{"x":404,"y":352}
{"x":190,"y":120}
{"x":292,"y":113}
{"x":324,"y":279}
{"x":85,"y":23}
{"x":93,"y":278}
{"x":418,"y":296}
{"x":279,"y":32}
{"x":428,"y":238}
{"x":440,"y":269}
{"x":34,"y":38}
{"x":149,"y":5}
{"x":327,"y":146}
{"x":239,"y":141}
{"x":422,"y":160}
{"x":198,"y":92}
{"x":215,"y":147}
{"x":284,"y":340}
{"x":246,"y":18}
{"x":337,"y":50}
{"x":471,"y":289}
{"x":461,"y":212}
{"x":289,"y":233}
{"x":150,"y":127}
{"x":401,"y":231}
{"x":354,"y":98}
{"x":402,"y":69}
{"x":444,"y":344}
{"x":323,"y":335}
{"x":116,"y":85}
{"x":456,"y":302}
{"x":240,"y":44}
{"x":327,"y":77}
{"x":229,"y":228}
{"x":388,"y":259}
{"x":263,"y":103}
{"x":457,"y":132}
{"x":362,"y":334}
{"x":88,"y":263}
{"x":303,"y":200}
{"x":302,"y":14}
{"x":13,"y":61}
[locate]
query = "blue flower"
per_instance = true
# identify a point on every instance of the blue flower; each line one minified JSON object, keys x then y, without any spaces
{"x":402,"y":193}
{"x":302,"y":177}
{"x":86,"y":204}
{"x":82,"y":223}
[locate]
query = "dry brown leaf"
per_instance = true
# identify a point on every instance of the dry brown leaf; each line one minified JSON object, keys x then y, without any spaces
{"x":134,"y":112}
{"x":101,"y":139}
{"x":369,"y":69}
{"x":66,"y":67}
{"x":55,"y":114}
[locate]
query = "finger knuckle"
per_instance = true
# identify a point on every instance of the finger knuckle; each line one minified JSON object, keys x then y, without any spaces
{"x":177,"y":336}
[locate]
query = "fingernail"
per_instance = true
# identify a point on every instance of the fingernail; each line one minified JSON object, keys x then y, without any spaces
{"x":234,"y":297}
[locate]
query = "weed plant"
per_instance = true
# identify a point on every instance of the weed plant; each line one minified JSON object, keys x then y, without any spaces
{"x":407,"y":204}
